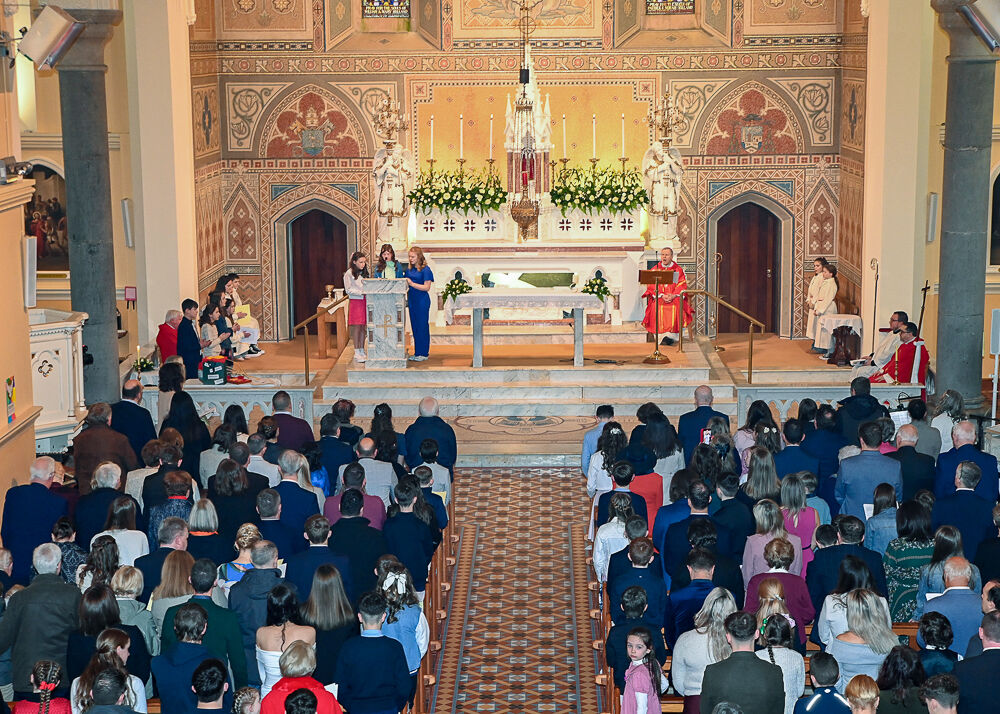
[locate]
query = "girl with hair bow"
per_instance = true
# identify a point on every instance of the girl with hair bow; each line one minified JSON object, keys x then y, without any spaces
{"x":45,"y":677}
{"x":405,"y":621}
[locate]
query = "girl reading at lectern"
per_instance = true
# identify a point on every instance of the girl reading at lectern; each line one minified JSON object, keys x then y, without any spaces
{"x":357,"y":308}
{"x":420,"y":279}
{"x":387,"y":265}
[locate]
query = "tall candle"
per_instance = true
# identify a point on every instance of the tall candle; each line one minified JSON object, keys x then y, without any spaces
{"x":564,"y":136}
{"x":623,"y":135}
{"x":593,"y":135}
{"x":432,"y":136}
{"x":461,"y":136}
{"x":491,"y":136}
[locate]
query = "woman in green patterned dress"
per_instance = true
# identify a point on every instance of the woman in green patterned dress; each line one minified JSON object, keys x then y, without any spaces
{"x":904,"y":557}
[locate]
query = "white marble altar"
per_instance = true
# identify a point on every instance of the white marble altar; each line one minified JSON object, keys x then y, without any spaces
{"x":386,"y":299}
{"x":526,"y":299}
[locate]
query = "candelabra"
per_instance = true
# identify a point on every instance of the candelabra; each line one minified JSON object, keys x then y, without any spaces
{"x":664,"y":119}
{"x":389,"y":122}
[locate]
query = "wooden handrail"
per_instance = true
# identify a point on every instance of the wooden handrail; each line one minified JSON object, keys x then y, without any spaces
{"x":305,"y":333}
{"x":754,"y":322}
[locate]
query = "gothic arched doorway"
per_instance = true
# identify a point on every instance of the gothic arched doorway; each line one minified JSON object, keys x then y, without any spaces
{"x":317,"y":250}
{"x":748,"y":241}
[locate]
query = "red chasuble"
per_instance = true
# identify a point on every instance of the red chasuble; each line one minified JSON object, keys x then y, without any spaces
{"x":908,"y":365}
{"x":669,"y":311}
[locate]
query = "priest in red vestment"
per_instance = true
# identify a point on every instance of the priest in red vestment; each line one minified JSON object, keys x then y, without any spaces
{"x":908,"y":365}
{"x":668,"y":301}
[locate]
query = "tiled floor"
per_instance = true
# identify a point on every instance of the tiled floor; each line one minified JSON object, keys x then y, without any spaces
{"x":518,"y":636}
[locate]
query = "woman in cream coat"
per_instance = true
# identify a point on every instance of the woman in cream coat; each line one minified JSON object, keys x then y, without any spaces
{"x":825,"y":302}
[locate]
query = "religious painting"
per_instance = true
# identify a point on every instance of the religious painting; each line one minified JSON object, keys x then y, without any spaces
{"x":669,"y":7}
{"x":312,"y":126}
{"x":385,"y":8}
{"x":496,"y":19}
{"x":45,"y":219}
{"x":755,"y":123}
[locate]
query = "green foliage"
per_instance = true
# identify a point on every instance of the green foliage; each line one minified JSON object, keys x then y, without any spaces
{"x":596,"y":286}
{"x":600,"y":189}
{"x":464,"y":192}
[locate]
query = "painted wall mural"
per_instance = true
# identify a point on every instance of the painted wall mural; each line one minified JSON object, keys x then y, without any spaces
{"x":756,"y":121}
{"x":312,"y":125}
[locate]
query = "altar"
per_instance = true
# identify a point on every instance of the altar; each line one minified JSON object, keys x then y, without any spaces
{"x":526,"y":300}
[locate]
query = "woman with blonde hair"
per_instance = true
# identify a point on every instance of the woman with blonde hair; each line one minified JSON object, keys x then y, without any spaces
{"x":297,"y":665}
{"x":862,"y":694}
{"x":704,"y":645}
{"x":800,"y":519}
{"x":777,"y":590}
{"x":762,"y":477}
{"x":127,"y":585}
{"x":204,"y":540}
{"x":770,"y":525}
{"x":867,"y":641}
{"x":230,"y":573}
{"x":174,"y":588}
{"x":420,"y":279}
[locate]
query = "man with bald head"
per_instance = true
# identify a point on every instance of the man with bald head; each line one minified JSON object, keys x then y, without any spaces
{"x":380,"y":477}
{"x":963,"y":435}
{"x":130,"y":418}
{"x":689,"y":425}
{"x":29,"y":512}
{"x":917,"y":469}
{"x":965,"y":509}
{"x":429,"y":425}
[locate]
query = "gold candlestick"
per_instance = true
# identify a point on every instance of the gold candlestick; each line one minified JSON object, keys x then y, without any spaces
{"x":432,"y":162}
{"x":563,"y":161}
{"x":491,"y":162}
{"x":593,"y":163}
{"x":624,"y":160}
{"x":461,"y":165}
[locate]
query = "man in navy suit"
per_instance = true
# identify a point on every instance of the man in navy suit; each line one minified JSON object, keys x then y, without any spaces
{"x":917,"y":468}
{"x":272,"y":528}
{"x":824,"y":571}
{"x":861,"y":474}
{"x":958,"y":603}
{"x":966,"y":510}
{"x":302,"y":566}
{"x":683,"y":603}
{"x":640,"y":553}
{"x":335,"y":452}
{"x":676,"y":545}
{"x":824,"y":443}
{"x":29,"y":512}
{"x":733,"y":514}
{"x":293,"y":432}
{"x":92,"y":509}
{"x":354,"y":539}
{"x":977,"y":675}
{"x":172,"y":535}
{"x":792,"y":458}
{"x":297,"y":504}
{"x":430,"y":426}
{"x":689,"y":425}
{"x":130,"y":418}
{"x":188,"y":343}
{"x":963,"y":435}
{"x":622,"y":474}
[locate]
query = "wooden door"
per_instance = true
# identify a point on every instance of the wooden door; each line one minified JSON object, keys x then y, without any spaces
{"x":319,"y":258}
{"x":747,"y":239}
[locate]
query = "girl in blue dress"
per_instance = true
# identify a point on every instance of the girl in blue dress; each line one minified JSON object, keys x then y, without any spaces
{"x":420,"y":279}
{"x":387,"y":265}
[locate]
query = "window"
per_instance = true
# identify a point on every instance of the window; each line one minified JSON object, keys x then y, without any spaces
{"x":385,"y":8}
{"x":669,"y":7}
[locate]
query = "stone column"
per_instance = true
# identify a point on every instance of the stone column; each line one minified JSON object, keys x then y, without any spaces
{"x":84,"y":112}
{"x":965,"y":200}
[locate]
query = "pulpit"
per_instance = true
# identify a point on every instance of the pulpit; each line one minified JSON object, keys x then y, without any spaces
{"x":386,"y":299}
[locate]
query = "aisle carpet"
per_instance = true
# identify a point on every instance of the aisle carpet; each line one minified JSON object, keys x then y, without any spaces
{"x":519,"y":638}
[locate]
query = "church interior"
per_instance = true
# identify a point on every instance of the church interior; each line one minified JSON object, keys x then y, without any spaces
{"x":543,"y":156}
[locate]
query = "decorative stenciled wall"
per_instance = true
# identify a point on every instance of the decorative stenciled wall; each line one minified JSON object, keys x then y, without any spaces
{"x":763,"y":114}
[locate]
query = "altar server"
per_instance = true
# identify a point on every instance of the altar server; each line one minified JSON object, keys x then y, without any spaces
{"x":814,"y":284}
{"x":668,"y":301}
{"x":420,"y":279}
{"x":909,"y":363}
{"x":387,"y":265}
{"x":825,"y":304}
{"x":357,"y":307}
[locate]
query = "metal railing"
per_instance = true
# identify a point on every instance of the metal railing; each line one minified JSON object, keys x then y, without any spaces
{"x":754,"y":322}
{"x":305,"y":332}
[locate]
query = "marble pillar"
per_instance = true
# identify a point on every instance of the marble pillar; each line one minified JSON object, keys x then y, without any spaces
{"x":84,"y":112}
{"x":965,"y":200}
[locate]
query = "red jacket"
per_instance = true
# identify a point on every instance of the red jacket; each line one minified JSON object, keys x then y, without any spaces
{"x":166,"y":340}
{"x":274,"y":702}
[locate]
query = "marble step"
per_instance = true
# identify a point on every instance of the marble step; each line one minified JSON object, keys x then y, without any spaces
{"x":529,"y":391}
{"x":597,"y":374}
{"x":548,"y":334}
{"x":489,"y":460}
{"x":527,"y":406}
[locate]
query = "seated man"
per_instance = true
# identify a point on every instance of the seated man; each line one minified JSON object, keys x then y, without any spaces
{"x":966,"y":509}
{"x":888,"y":343}
{"x":963,"y":436}
{"x":908,"y":364}
{"x":634,"y":607}
{"x":961,"y":605}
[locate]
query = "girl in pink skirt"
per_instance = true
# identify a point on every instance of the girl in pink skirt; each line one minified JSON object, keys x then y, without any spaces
{"x":357,"y":308}
{"x":643,"y":684}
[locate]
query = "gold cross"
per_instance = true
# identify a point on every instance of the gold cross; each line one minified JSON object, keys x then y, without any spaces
{"x":386,"y":325}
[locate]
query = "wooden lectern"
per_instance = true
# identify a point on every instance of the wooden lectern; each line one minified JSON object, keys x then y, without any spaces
{"x":657,"y":278}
